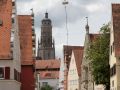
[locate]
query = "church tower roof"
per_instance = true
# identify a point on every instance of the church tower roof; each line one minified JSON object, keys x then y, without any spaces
{"x":46,"y":19}
{"x":46,"y":48}
{"x":87,"y":26}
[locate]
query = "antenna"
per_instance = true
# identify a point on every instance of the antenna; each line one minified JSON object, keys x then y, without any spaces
{"x":65,"y":4}
{"x":66,"y":53}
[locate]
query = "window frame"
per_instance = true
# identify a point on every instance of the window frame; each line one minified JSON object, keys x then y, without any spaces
{"x":44,"y":83}
{"x":4,"y":72}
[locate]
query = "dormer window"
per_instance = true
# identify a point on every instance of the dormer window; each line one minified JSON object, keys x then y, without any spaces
{"x":13,"y":3}
{"x":1,"y":22}
{"x":13,"y":21}
{"x":32,"y":22}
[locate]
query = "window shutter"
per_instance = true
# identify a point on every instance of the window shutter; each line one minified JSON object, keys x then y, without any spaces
{"x":7,"y":72}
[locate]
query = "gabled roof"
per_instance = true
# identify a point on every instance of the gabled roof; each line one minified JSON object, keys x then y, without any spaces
{"x":68,"y":49}
{"x":25,"y":32}
{"x":47,"y":64}
{"x":49,"y":74}
{"x":116,"y":27}
{"x":78,"y":54}
{"x":5,"y":29}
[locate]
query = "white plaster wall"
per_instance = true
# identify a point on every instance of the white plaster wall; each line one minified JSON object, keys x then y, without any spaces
{"x":9,"y":85}
{"x":16,"y":49}
{"x":73,"y":75}
{"x":99,"y":87}
{"x":8,"y":63}
{"x":112,"y":61}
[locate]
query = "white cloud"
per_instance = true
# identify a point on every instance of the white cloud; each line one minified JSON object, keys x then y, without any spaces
{"x":94,"y":7}
{"x":98,"y":12}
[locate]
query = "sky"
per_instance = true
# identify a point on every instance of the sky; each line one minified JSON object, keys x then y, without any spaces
{"x":97,"y":11}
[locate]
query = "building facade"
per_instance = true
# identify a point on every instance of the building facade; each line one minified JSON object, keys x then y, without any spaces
{"x":115,"y":48}
{"x":74,"y":73}
{"x":87,"y":82}
{"x":27,"y":47}
{"x":10,"y":65}
{"x":46,"y":45}
{"x":47,"y":72}
{"x":67,"y":51}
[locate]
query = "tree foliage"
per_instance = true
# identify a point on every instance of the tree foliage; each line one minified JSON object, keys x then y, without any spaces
{"x":46,"y":87}
{"x":98,"y":53}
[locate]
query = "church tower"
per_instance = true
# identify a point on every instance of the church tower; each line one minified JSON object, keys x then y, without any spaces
{"x":46,"y":47}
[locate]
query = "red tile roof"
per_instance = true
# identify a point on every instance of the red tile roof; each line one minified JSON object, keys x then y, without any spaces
{"x":69,"y":49}
{"x":44,"y":64}
{"x":116,"y":27}
{"x":49,"y":74}
{"x":25,"y":32}
{"x":5,"y":29}
{"x":78,"y":58}
{"x":93,"y":37}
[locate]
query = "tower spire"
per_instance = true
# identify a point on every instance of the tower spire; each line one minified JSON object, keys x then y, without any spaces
{"x":46,"y":14}
{"x":87,"y":26}
{"x":32,"y":12}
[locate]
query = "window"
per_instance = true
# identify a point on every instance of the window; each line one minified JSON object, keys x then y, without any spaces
{"x":13,"y":3}
{"x":39,"y":85}
{"x":32,"y":22}
{"x":113,"y":70}
{"x":44,"y":83}
{"x":72,"y":61}
{"x":113,"y":46}
{"x":1,"y":73}
{"x":111,"y":49}
{"x":1,"y":22}
{"x":13,"y":21}
{"x":4,"y":72}
{"x":113,"y":83}
{"x":16,"y":75}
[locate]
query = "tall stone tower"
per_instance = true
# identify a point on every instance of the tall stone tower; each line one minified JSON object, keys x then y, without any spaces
{"x":46,"y":48}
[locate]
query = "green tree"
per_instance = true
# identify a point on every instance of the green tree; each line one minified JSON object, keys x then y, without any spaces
{"x":98,"y":53}
{"x":46,"y":87}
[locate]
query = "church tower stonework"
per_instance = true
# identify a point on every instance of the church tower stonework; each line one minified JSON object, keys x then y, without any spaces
{"x":46,"y":47}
